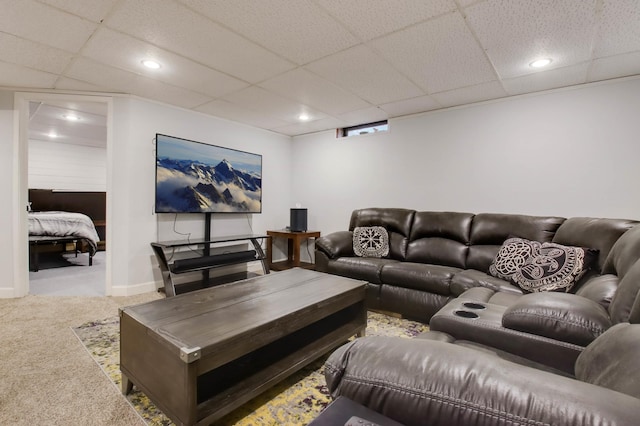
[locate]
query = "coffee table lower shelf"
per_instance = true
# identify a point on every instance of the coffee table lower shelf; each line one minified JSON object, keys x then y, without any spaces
{"x":218,"y":381}
{"x":240,"y":393}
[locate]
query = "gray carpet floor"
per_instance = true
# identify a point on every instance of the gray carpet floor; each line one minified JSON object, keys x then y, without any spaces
{"x":46,"y":376}
{"x":67,"y":275}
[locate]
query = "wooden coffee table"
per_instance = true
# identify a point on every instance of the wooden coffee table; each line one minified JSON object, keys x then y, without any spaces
{"x":200,"y":355}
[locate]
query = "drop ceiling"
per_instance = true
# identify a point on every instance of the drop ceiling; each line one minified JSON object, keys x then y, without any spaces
{"x":343,"y":63}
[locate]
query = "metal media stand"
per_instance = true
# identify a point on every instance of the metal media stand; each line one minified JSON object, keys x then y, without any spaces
{"x":207,"y":261}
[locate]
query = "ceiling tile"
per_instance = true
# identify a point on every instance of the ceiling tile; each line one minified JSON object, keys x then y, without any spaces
{"x":345,"y":62}
{"x":12,"y":75}
{"x":271,"y":104}
{"x":65,"y":83}
{"x":361,"y":71}
{"x":369,"y":20}
{"x":123,"y":81}
{"x":516,"y":32}
{"x":153,"y":89}
{"x":615,"y":66}
{"x":44,"y":24}
{"x":363,"y":116}
{"x":33,"y":55}
{"x":314,"y":126}
{"x":240,"y":114}
{"x":466,"y":3}
{"x":410,"y":106}
{"x":98,"y":74}
{"x":309,"y":89}
{"x":471,"y":94}
{"x":125,"y":52}
{"x":172,"y":26}
{"x":545,"y":80}
{"x":619,"y":28}
{"x":93,"y":10}
{"x":297,"y":30}
{"x":438,"y":55}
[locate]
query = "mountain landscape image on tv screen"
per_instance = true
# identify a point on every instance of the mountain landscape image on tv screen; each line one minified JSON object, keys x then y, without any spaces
{"x":194,"y":177}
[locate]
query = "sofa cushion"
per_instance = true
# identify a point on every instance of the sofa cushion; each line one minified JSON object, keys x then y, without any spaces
{"x":611,"y":360}
{"x":560,"y":316}
{"x":535,"y":266}
{"x":599,"y":288}
{"x":432,"y":278}
{"x":397,"y":222}
{"x":627,"y":296}
{"x":440,"y":238}
{"x":483,"y":294}
{"x":469,"y":278}
{"x":370,"y":241}
{"x":359,"y":268}
{"x":597,"y":233}
{"x":489,"y":230}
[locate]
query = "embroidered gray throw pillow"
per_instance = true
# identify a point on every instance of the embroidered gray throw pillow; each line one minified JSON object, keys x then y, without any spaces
{"x":370,"y":241}
{"x":535,"y":266}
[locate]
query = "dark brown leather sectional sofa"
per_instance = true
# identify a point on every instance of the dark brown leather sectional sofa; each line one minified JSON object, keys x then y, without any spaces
{"x":494,"y":355}
{"x":436,"y":256}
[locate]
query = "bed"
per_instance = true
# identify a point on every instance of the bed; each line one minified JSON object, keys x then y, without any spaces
{"x":66,"y":221}
{"x":61,"y":228}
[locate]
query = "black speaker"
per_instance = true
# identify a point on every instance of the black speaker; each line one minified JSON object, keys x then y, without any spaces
{"x":298,"y":221}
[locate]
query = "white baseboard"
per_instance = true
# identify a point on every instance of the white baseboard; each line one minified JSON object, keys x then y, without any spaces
{"x":7,"y":293}
{"x":132,"y":290}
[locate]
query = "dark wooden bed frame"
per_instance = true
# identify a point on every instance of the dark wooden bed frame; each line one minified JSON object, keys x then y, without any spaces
{"x":92,"y":204}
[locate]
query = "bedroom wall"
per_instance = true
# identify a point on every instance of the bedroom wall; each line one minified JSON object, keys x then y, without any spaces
{"x":569,"y":152}
{"x":135,"y":123}
{"x":67,"y":167}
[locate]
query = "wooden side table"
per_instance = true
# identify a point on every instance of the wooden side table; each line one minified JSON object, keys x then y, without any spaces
{"x":293,"y":249}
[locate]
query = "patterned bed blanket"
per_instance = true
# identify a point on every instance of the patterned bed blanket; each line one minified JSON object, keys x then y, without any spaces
{"x":64,"y":224}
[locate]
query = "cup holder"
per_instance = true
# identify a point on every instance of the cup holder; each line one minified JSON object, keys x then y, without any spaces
{"x":466,"y":314}
{"x":473,"y":305}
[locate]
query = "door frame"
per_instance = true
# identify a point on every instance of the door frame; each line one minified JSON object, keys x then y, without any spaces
{"x":20,"y":218}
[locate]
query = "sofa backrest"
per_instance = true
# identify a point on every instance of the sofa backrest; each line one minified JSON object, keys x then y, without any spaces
{"x":440,"y":238}
{"x":397,"y":222}
{"x":490,"y":230}
{"x":624,"y":261}
{"x":611,"y":360}
{"x":595,"y":233}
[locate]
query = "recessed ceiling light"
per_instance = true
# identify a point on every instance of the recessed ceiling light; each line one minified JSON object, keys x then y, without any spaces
{"x":71,"y":117}
{"x":151,"y":64}
{"x":52,"y":134}
{"x":303,"y":117}
{"x":539,"y":63}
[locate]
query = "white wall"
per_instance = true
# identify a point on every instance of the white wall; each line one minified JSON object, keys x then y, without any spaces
{"x":134,"y":225}
{"x":9,"y":197}
{"x":570,"y":152}
{"x":67,"y":167}
{"x":130,"y":188}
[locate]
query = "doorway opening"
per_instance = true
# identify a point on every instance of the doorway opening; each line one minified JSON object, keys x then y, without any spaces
{"x":65,"y":143}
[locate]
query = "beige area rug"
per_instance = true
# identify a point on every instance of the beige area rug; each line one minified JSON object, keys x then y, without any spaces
{"x":295,"y":401}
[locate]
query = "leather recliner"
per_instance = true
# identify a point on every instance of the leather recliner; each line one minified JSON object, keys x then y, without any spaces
{"x":549,"y":327}
{"x":435,"y":380}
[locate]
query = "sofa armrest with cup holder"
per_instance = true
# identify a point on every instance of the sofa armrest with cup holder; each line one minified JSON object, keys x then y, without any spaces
{"x":549,"y":327}
{"x":481,"y":322}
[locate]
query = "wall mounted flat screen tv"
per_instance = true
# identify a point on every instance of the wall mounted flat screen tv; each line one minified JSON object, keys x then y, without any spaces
{"x":195,"y":177}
